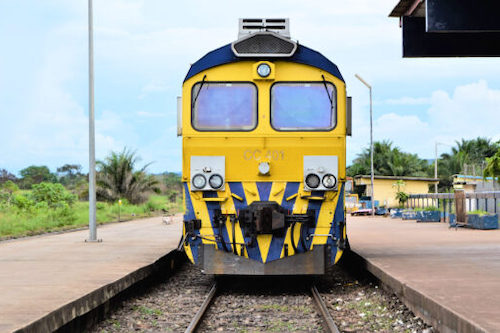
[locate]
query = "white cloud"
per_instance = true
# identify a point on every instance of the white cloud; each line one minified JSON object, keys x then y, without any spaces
{"x":472,"y":110}
{"x":144,"y":48}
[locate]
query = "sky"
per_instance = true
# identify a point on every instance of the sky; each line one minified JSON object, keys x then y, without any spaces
{"x":143,"y":49}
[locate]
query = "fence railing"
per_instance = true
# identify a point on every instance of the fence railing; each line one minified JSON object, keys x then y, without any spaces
{"x":486,"y":201}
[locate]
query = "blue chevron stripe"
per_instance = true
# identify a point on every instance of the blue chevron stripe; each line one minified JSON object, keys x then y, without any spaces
{"x":335,"y":229}
{"x":313,"y":205}
{"x":211,"y":206}
{"x":190,"y":215}
{"x":277,"y":242}
{"x":237,"y":188}
{"x":264,"y":189}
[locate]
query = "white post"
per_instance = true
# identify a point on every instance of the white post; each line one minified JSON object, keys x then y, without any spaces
{"x":92,"y":183}
{"x":436,"y":168}
{"x":371,"y":143}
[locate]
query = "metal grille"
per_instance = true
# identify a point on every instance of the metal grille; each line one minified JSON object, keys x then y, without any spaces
{"x":264,"y":45}
{"x":253,"y":25}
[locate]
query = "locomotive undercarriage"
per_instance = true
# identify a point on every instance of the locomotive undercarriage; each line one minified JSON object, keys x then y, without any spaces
{"x":264,"y":218}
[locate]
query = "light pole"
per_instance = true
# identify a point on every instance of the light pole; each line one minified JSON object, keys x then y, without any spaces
{"x":92,"y":196}
{"x":371,"y":142}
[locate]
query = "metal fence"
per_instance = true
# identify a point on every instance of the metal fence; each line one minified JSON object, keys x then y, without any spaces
{"x":486,"y":201}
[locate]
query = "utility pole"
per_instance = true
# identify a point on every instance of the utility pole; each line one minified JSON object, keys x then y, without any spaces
{"x":92,"y":182}
{"x":371,"y":142}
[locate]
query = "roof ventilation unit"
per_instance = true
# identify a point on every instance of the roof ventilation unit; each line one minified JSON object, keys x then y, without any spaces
{"x":264,"y":38}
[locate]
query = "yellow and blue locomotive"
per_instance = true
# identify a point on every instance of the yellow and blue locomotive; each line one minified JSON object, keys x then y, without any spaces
{"x":264,"y":123}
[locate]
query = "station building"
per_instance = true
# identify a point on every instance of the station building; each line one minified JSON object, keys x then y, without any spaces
{"x":386,"y":187}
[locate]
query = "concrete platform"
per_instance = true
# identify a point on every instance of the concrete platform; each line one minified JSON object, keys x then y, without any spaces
{"x":42,"y":274}
{"x":449,"y":277}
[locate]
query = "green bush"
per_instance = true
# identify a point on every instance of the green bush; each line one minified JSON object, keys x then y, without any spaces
{"x":431,"y":209}
{"x":55,"y":195}
{"x":22,"y":202}
{"x":9,"y":187}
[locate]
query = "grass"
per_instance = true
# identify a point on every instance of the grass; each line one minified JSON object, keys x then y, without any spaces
{"x":15,"y":222}
{"x":478,"y":212}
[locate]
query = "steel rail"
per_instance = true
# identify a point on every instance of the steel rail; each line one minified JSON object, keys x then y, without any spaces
{"x":327,"y":317}
{"x":193,"y":325}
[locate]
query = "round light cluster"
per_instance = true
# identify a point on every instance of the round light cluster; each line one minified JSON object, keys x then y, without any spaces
{"x":312,"y":180}
{"x":329,"y":181}
{"x":215,"y":181}
{"x":199,"y":181}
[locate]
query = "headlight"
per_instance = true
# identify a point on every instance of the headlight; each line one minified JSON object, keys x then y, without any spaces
{"x":329,"y":181}
{"x":264,"y":168}
{"x":263,"y":70}
{"x":312,"y":180}
{"x":199,"y":181}
{"x":216,"y":181}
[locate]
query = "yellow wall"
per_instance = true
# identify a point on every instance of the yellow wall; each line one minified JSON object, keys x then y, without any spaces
{"x":385,"y":189}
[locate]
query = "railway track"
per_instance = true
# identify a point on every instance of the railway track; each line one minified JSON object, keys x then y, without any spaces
{"x":251,"y":304}
{"x":328,"y":322}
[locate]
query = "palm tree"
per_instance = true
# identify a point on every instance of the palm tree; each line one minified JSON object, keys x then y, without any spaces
{"x":466,"y":153}
{"x":493,"y":166}
{"x":388,"y":161}
{"x":116,"y":178}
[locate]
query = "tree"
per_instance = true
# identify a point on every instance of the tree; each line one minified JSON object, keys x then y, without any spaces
{"x":6,"y":176}
{"x":388,"y":161}
{"x":35,"y":175}
{"x":173,"y":185}
{"x":466,"y":153}
{"x":476,"y":150}
{"x":70,"y":174}
{"x":116,"y":178}
{"x":493,"y":166}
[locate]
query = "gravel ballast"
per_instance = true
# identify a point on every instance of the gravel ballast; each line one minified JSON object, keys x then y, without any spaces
{"x":282,"y":304}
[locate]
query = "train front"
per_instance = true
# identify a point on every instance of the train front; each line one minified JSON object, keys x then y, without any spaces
{"x":264,"y":126}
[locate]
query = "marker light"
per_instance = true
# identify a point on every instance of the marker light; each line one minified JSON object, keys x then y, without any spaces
{"x":216,"y":181}
{"x":312,"y":180}
{"x":329,"y":181}
{"x":264,"y":168}
{"x":264,"y":70}
{"x":199,"y":181}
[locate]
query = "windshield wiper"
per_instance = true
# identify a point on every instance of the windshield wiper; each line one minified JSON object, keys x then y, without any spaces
{"x":199,"y":90}
{"x":327,"y":92}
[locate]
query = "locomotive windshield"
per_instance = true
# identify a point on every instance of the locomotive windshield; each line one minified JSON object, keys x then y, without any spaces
{"x":303,"y":106}
{"x":228,"y":106}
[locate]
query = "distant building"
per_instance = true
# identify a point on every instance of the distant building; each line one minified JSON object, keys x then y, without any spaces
{"x":386,"y":187}
{"x":475,"y":183}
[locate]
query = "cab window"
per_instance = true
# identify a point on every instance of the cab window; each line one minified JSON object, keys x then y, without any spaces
{"x":303,"y":106}
{"x":224,"y":106}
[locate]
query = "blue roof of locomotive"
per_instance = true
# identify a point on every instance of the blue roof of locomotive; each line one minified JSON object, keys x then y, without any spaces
{"x":225,"y":55}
